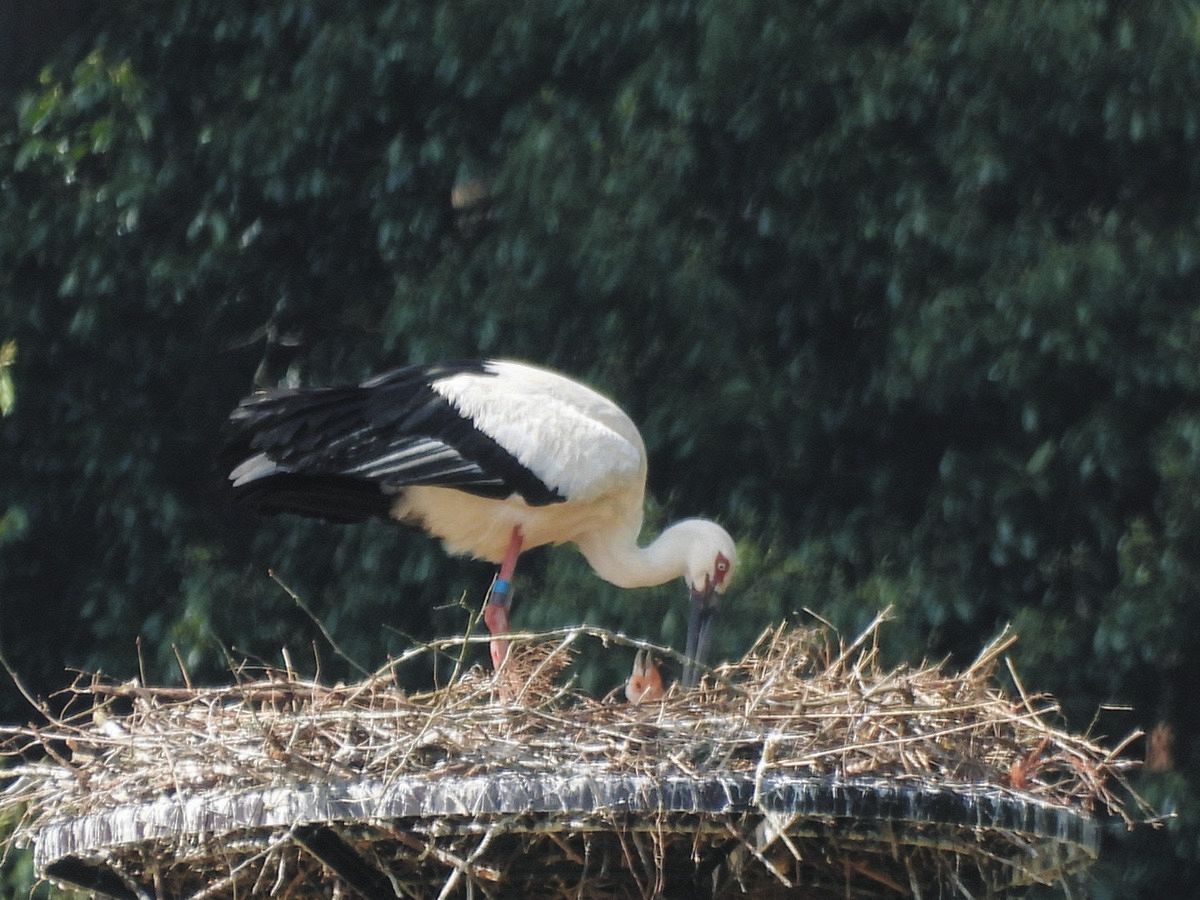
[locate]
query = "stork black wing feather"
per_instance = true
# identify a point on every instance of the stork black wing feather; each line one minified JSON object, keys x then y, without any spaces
{"x":344,"y":453}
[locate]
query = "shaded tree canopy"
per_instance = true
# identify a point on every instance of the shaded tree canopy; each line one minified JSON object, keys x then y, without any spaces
{"x":905,"y":295}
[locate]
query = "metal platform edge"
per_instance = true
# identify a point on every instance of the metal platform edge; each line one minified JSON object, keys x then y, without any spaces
{"x":568,"y":798}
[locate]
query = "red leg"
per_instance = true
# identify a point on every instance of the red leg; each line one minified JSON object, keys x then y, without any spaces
{"x":495,"y":615}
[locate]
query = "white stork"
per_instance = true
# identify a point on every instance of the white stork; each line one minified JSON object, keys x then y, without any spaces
{"x":493,"y":457}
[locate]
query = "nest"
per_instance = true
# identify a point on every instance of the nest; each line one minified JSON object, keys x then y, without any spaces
{"x":805,"y":764}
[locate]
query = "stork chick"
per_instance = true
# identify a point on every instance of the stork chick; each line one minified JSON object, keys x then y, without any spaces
{"x":645,"y":683}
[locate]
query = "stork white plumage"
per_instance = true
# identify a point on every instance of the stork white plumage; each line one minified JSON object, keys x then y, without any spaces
{"x":493,"y":457}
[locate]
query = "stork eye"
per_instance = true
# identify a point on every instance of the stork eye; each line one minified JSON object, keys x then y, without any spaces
{"x":722,"y":566}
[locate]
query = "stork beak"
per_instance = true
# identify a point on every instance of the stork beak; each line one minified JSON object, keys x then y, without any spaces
{"x":704,"y":607}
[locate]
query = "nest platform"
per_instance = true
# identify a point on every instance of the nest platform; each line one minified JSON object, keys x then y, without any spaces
{"x":805,"y":767}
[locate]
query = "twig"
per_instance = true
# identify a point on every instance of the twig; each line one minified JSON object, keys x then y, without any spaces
{"x":27,"y":694}
{"x":187,"y":680}
{"x":320,"y":625}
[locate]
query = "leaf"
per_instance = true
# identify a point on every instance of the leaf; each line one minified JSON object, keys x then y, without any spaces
{"x":1041,"y":458}
{"x":8,"y":395}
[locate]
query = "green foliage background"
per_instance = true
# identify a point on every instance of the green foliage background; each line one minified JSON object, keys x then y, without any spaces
{"x":906,"y":294}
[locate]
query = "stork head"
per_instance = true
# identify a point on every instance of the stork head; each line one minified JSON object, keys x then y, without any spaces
{"x":711,"y":559}
{"x":645,"y":684}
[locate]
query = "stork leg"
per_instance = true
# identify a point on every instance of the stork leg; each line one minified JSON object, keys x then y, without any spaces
{"x":495,"y":615}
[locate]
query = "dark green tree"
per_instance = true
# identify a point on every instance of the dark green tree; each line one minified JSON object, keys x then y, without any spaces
{"x":905,"y":294}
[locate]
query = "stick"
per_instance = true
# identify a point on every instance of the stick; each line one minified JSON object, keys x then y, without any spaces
{"x":362,"y":670}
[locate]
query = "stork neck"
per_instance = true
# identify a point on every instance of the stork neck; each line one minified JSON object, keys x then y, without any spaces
{"x":623,"y":563}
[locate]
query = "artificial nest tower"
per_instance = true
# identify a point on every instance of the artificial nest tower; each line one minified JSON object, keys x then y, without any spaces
{"x":805,"y":769}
